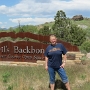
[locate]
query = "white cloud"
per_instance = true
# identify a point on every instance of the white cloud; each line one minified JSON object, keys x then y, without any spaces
{"x":3,"y":22}
{"x":3,"y":9}
{"x":31,"y":20}
{"x":0,"y":22}
{"x":3,"y":26}
{"x":41,"y":11}
{"x":72,"y":4}
{"x":44,"y":8}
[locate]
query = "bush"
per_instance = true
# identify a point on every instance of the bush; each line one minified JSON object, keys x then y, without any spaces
{"x":10,"y":87}
{"x":85,"y":46}
{"x":5,"y":76}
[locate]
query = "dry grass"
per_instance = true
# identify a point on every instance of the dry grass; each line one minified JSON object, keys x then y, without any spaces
{"x":36,"y":77}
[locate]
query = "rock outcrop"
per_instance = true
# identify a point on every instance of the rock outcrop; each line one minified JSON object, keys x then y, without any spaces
{"x":77,"y":17}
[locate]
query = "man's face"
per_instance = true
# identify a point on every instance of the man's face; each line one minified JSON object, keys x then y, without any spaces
{"x":53,"y":40}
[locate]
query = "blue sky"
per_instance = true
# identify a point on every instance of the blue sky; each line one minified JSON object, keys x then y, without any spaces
{"x":35,"y":12}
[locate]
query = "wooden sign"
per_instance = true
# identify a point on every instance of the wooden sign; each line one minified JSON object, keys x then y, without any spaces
{"x":26,"y":51}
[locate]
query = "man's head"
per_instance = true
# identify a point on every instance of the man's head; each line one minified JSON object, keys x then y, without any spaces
{"x":53,"y":39}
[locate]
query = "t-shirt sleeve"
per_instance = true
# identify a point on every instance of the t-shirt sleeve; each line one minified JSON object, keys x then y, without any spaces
{"x":64,"y":50}
{"x":46,"y":52}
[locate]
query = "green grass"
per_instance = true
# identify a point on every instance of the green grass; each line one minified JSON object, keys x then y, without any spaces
{"x":36,"y":77}
{"x":82,"y":22}
{"x":23,"y":78}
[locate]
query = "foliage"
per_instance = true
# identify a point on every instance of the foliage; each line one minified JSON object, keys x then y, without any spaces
{"x":30,"y":28}
{"x":85,"y":46}
{"x":24,"y":28}
{"x":45,"y":31}
{"x":10,"y":87}
{"x":61,"y":24}
{"x":88,"y":33}
{"x":65,"y":30}
{"x":76,"y":35}
{"x":6,"y":76}
{"x":11,"y":29}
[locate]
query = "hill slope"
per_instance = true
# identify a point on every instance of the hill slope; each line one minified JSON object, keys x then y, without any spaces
{"x":85,"y":22}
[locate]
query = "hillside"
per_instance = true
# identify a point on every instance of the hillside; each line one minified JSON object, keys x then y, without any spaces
{"x":85,"y":22}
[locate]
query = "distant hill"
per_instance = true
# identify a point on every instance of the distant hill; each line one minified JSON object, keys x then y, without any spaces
{"x":83,"y":23}
{"x":50,"y":24}
{"x":3,"y":28}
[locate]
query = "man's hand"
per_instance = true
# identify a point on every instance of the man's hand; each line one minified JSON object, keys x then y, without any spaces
{"x":63,"y":65}
{"x":46,"y":67}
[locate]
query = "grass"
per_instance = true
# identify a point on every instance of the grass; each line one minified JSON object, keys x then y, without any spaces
{"x":23,"y":78}
{"x":36,"y":77}
{"x":82,"y":22}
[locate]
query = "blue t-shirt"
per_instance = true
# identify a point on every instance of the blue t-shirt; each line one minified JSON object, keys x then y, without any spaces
{"x":54,"y":54}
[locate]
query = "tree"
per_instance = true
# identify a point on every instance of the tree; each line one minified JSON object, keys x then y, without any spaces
{"x":85,"y":46}
{"x":65,"y":30}
{"x":77,"y":35}
{"x":45,"y":31}
{"x":11,"y":29}
{"x":61,"y":24}
{"x":27,"y":28}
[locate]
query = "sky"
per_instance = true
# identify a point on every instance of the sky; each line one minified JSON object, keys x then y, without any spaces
{"x":35,"y":12}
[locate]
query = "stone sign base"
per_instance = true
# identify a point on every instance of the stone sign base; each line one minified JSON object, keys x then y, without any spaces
{"x":73,"y":58}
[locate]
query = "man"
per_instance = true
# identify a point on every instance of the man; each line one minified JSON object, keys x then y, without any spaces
{"x":54,"y":62}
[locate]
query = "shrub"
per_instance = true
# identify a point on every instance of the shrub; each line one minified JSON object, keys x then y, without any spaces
{"x":85,"y":46}
{"x":10,"y":87}
{"x":5,"y":76}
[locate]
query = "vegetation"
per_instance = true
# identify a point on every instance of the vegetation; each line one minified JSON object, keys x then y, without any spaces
{"x":23,"y":28}
{"x":65,"y":30}
{"x":76,"y":35}
{"x":61,"y":25}
{"x":85,"y":47}
{"x":45,"y":31}
{"x":36,"y":77}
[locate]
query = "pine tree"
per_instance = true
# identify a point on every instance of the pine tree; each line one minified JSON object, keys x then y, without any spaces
{"x":61,"y":24}
{"x":65,"y":30}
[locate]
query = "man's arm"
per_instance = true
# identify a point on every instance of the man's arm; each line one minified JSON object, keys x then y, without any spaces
{"x":46,"y":63}
{"x":64,"y":61}
{"x":64,"y":58}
